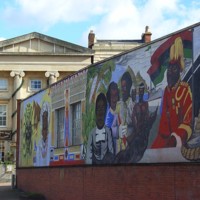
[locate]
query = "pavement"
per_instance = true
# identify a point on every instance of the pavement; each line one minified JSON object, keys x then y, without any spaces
{"x":7,"y":191}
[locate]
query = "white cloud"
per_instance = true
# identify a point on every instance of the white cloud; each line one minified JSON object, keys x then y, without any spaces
{"x":1,"y":38}
{"x":117,"y":19}
{"x":163,"y":17}
{"x":49,"y":12}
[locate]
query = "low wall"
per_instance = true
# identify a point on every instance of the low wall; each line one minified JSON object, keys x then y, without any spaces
{"x":154,"y":182}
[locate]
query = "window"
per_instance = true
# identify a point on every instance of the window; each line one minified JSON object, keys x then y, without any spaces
{"x":60,"y":127}
{"x":3,"y":84}
{"x":76,"y":124}
{"x":35,"y":84}
{"x":3,"y":115}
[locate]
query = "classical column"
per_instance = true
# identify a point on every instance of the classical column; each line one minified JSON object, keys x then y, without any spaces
{"x":17,"y":83}
{"x":18,"y":75}
{"x":52,"y":75}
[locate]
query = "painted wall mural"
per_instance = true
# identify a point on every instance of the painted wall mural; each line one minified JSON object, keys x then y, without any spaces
{"x":35,"y":140}
{"x":149,"y":105}
{"x":138,"y":107}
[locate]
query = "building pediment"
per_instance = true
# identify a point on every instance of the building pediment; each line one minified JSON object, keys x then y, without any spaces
{"x":34,"y":43}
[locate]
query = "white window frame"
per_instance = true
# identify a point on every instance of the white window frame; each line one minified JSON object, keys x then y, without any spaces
{"x":76,"y":125}
{"x":35,"y":88}
{"x":2,"y":115}
{"x":60,"y":126}
{"x":6,"y":84}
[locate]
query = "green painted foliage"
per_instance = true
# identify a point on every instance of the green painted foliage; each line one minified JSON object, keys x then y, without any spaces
{"x":102,"y":74}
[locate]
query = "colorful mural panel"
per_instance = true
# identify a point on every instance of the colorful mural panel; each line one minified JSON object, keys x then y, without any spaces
{"x":35,"y":140}
{"x":142,"y":106}
{"x":149,"y":104}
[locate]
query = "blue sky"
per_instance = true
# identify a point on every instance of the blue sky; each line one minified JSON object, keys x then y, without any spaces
{"x":71,"y":20}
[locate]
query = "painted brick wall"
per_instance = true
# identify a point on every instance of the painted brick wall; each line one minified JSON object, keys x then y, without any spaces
{"x":154,"y":182}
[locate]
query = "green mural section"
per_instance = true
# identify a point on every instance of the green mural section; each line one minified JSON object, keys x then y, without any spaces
{"x":35,"y":135}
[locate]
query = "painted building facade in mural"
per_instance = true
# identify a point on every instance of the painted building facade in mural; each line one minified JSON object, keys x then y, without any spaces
{"x":138,"y":107}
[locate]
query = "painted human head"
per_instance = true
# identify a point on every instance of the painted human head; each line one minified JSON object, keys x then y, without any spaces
{"x":126,"y":83}
{"x":113,"y":95}
{"x":100,"y":110}
{"x":176,"y":62}
{"x":45,"y":125}
{"x":45,"y":118}
{"x":173,"y":73}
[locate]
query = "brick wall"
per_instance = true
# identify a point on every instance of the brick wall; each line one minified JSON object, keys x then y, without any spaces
{"x":154,"y":182}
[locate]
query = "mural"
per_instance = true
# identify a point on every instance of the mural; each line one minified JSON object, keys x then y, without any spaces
{"x":139,"y":107}
{"x":35,"y":140}
{"x":100,"y":143}
{"x":176,"y":104}
{"x":149,"y":104}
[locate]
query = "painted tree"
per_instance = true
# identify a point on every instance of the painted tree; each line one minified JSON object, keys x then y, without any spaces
{"x":98,"y":79}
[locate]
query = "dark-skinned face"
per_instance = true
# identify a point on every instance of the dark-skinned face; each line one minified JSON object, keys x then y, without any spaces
{"x":45,"y":125}
{"x":100,"y":114}
{"x":124,"y":90}
{"x":113,"y":98}
{"x":173,"y":75}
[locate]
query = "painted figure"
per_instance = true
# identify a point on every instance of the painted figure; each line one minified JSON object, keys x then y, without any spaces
{"x":176,"y":118}
{"x":100,"y":148}
{"x":112,"y":117}
{"x":142,"y":121}
{"x":131,"y":105}
{"x":125,"y":119}
{"x":43,"y":148}
{"x":140,"y":114}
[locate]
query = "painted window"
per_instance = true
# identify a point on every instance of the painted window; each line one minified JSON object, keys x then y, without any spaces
{"x":60,"y":127}
{"x":35,"y":84}
{"x":3,"y":112}
{"x":76,"y":123}
{"x":3,"y":84}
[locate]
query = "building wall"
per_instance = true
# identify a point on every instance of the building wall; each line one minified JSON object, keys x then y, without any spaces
{"x":105,"y":50}
{"x":163,"y":182}
{"x":34,"y":56}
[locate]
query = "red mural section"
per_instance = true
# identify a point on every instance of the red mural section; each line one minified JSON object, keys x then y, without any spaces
{"x":176,"y":119}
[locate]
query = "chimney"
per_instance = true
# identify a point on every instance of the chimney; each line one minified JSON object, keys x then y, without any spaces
{"x":146,"y":37}
{"x":91,"y":38}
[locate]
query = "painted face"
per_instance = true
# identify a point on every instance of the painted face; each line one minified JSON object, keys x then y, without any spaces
{"x":113,"y":98}
{"x":100,"y":114}
{"x":124,"y":90}
{"x":45,"y":125}
{"x":133,"y":94}
{"x":173,"y":75}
